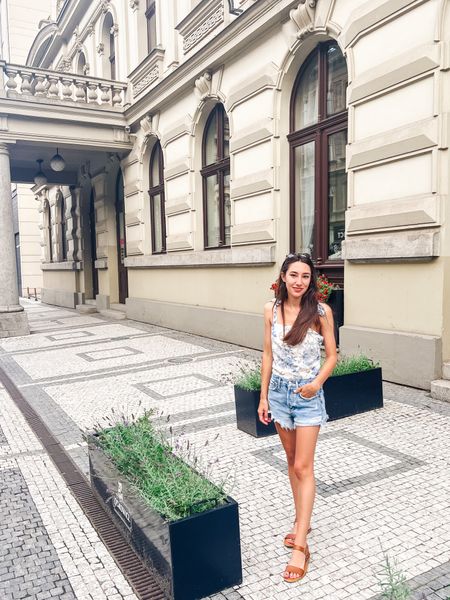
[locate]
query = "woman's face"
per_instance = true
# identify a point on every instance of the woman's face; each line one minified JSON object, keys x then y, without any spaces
{"x":297,"y":279}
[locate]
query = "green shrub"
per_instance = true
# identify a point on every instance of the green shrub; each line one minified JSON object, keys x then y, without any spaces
{"x":166,"y":482}
{"x":249,"y":379}
{"x":353,"y":364}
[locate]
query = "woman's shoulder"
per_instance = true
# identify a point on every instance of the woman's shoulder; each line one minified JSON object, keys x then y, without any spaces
{"x":323,"y":309}
{"x":268,"y":306}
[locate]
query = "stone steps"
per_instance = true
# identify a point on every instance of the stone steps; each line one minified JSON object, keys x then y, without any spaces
{"x":440,"y":389}
{"x":86,"y":309}
{"x":91,"y":302}
{"x":121,"y":307}
{"x":115,"y":315}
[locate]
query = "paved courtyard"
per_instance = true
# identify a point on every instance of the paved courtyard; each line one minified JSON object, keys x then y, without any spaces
{"x":383,"y":477}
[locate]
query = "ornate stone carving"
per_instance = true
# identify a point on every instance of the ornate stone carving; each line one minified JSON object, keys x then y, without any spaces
{"x":105,"y":5}
{"x":146,"y":81}
{"x":203,"y":84}
{"x":101,"y":48}
{"x":146,"y":124}
{"x":91,"y":28}
{"x":134,"y":4}
{"x":303,"y":17}
{"x":203,"y":29}
{"x":115,"y":30}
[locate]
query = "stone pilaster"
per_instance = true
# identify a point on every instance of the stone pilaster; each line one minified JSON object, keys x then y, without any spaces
{"x":13,"y":319}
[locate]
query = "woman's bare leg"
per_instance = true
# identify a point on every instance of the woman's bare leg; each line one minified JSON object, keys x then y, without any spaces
{"x":288,"y":439}
{"x":305,"y":446}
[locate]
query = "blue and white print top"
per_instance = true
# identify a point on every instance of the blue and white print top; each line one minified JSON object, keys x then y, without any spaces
{"x":295,"y":362}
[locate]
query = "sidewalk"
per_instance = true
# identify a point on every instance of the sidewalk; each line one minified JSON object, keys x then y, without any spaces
{"x":382,"y":476}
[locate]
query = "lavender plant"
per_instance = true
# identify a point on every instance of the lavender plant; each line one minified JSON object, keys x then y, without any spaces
{"x":169,"y":473}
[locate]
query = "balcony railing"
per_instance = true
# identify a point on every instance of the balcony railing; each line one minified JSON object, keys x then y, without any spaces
{"x":28,"y":83}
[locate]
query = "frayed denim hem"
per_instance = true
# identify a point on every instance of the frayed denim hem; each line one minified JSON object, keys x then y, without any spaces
{"x":287,"y":427}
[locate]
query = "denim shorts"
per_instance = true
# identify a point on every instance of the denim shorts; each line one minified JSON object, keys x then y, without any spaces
{"x":292,"y":410}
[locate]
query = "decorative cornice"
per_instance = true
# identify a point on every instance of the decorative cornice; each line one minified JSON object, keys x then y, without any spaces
{"x":205,"y":17}
{"x":147,"y":72}
{"x":303,"y":17}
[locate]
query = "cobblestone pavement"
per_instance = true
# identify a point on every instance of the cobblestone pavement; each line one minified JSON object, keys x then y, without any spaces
{"x":383,"y":477}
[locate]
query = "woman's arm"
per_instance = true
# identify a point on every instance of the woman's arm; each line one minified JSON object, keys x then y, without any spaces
{"x":329,"y":341}
{"x":266,"y":365}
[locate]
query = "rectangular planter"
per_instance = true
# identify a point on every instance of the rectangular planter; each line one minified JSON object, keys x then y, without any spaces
{"x":192,"y":557}
{"x":347,"y":395}
{"x":247,"y":413}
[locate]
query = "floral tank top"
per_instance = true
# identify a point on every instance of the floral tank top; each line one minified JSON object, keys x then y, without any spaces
{"x":295,"y":362}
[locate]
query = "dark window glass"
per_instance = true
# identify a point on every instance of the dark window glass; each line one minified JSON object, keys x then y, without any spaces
{"x":156,"y":193}
{"x":216,"y":180}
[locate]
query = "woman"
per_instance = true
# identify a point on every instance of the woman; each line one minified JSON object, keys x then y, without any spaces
{"x":295,"y":325}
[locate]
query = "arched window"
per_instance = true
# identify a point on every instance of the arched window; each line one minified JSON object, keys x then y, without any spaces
{"x":109,"y":43}
{"x":48,"y":231}
{"x":156,"y":193}
{"x":318,"y":125}
{"x":216,"y":180}
{"x":81,"y":64}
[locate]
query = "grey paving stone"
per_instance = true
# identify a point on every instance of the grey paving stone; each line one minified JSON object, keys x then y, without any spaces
{"x":19,"y":521}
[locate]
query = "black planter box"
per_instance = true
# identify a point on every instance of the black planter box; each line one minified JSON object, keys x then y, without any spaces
{"x":190,"y":558}
{"x":247,"y":413}
{"x":347,"y":395}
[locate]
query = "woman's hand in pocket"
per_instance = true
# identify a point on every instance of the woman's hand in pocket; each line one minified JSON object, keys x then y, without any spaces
{"x":309,"y":390}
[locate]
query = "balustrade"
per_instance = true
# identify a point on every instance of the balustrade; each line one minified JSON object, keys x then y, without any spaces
{"x":29,"y":83}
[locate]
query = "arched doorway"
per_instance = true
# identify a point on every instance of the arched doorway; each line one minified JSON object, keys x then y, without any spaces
{"x":121,"y":239}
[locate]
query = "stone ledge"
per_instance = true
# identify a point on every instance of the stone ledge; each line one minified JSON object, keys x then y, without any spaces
{"x":62,"y":266}
{"x":101,"y":263}
{"x":398,"y":246}
{"x":393,"y":349}
{"x":60,"y":297}
{"x":229,"y":257}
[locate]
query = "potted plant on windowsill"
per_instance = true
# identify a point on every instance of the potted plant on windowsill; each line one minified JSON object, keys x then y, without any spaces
{"x":247,"y":390}
{"x":355,"y":386}
{"x":184,"y":527}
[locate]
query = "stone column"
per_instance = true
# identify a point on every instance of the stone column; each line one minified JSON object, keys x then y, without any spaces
{"x":13,"y":319}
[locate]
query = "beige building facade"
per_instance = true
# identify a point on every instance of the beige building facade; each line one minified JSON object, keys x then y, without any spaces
{"x":206,"y":140}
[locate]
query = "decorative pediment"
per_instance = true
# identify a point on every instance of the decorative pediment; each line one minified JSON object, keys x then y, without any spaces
{"x":303,"y":17}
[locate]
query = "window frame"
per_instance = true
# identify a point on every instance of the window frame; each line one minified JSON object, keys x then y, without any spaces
{"x":221,"y":168}
{"x":150,"y":13}
{"x":112,"y":53}
{"x":319,"y":133}
{"x":62,"y":214}
{"x":155,"y":190}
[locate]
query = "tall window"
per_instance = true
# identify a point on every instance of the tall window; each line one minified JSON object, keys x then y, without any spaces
{"x":317,"y":144}
{"x":150,"y":15}
{"x":156,"y":192}
{"x":81,"y":65}
{"x":109,"y":43}
{"x":216,"y":180}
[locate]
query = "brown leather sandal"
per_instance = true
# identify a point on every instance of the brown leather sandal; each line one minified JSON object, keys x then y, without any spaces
{"x":300,"y":573}
{"x":289,"y":538}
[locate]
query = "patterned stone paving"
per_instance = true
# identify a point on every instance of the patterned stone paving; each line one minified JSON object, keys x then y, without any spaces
{"x":382,"y":477}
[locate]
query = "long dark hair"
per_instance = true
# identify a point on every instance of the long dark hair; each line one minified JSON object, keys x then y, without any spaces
{"x":308,"y":314}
